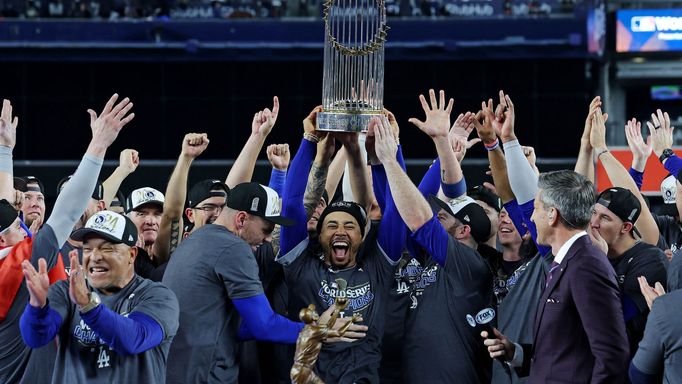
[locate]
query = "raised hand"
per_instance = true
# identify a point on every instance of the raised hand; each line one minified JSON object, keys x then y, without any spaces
{"x":462,"y":128}
{"x":108,"y":124}
{"x":385,"y":145}
{"x":394,"y":123}
{"x":194,"y":144}
{"x":594,"y":104}
{"x":503,"y":124}
{"x":310,"y":122}
{"x":264,"y":120}
{"x":18,"y":199}
{"x":598,"y":131}
{"x":78,"y":290}
{"x":37,"y":282}
{"x":650,"y":293}
{"x":483,"y":122}
{"x":459,"y":146}
{"x":129,"y":159}
{"x":279,"y":156}
{"x":640,"y":150}
{"x":437,"y":115}
{"x":660,"y":131}
{"x":8,"y":125}
{"x":35,"y":225}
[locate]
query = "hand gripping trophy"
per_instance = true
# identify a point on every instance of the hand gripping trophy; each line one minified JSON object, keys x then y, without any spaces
{"x":353,"y":74}
{"x":310,"y":339}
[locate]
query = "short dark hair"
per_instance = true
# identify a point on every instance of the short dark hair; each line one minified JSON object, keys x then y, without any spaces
{"x":571,"y":193}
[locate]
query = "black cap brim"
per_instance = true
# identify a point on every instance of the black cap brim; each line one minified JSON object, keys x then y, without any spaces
{"x":438,"y":204}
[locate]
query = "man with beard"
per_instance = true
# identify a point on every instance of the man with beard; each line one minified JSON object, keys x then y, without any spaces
{"x":343,"y":250}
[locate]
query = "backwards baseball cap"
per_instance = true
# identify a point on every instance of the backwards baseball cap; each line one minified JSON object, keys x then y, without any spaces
{"x":97,"y":193}
{"x":466,"y":210}
{"x":258,"y":200}
{"x":120,"y":200}
{"x":143,"y":196}
{"x":206,"y":189}
{"x":348,"y":207}
{"x":22,"y":184}
{"x":623,"y":204}
{"x":487,"y":196}
{"x":111,"y":226}
{"x":7,"y":215}
{"x":669,"y":192}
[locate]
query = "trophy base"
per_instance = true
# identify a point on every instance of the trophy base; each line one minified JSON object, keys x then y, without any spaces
{"x":344,"y":121}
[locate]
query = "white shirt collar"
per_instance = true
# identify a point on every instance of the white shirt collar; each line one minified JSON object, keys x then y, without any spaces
{"x":567,"y":245}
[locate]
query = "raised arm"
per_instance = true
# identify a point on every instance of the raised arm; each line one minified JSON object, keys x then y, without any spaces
{"x":437,"y":125}
{"x":661,"y":133}
{"x":8,"y":138}
{"x":619,"y":176}
{"x":170,"y":228}
{"x":335,"y":174}
{"x":294,"y":187}
{"x":242,"y":169}
{"x":585,"y":163}
{"x":278,"y":155}
{"x":357,"y":169}
{"x":72,"y":201}
{"x":640,"y":150}
{"x":129,"y":159}
{"x":498,"y":165}
{"x":318,"y":175}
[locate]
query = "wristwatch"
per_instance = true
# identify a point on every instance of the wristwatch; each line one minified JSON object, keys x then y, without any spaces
{"x":94,"y":302}
{"x":666,"y":154}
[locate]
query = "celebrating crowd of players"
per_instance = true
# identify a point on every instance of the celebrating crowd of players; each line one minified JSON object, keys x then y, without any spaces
{"x":534,"y":277}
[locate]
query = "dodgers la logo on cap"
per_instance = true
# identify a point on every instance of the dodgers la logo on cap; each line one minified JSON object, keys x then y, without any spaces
{"x":107,"y":222}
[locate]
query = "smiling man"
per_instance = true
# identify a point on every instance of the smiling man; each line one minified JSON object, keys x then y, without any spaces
{"x":117,"y":327}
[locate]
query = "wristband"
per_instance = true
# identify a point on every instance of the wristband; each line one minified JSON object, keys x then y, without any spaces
{"x":492,"y":146}
{"x":310,"y":137}
{"x":601,"y":153}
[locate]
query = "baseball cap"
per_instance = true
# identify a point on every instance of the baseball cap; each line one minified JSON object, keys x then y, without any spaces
{"x":206,"y":189}
{"x":97,"y":193}
{"x":349,"y":207}
{"x":258,"y":200}
{"x":466,"y":210}
{"x":21,"y":184}
{"x":487,"y":196}
{"x":143,"y":196}
{"x":623,"y":204}
{"x":669,"y":192}
{"x":7,"y":214}
{"x":120,"y":200}
{"x":111,"y":226}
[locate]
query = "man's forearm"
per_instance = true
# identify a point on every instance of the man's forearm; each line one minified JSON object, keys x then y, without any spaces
{"x":242,"y":169}
{"x":450,"y":170}
{"x":176,"y":190}
{"x":39,"y":325}
{"x":112,"y":184}
{"x":359,"y":178}
{"x":498,"y":167}
{"x":6,"y":174}
{"x":411,"y":205}
{"x":317,"y":178}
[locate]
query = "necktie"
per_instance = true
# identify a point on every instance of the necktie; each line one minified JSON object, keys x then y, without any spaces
{"x":552,"y":267}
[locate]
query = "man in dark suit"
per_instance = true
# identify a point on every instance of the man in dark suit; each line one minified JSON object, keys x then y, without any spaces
{"x":579,"y":329}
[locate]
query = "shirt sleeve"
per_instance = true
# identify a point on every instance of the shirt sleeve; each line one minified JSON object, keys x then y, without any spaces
{"x":45,"y":246}
{"x":649,"y":356}
{"x":637,"y":177}
{"x":238,"y":270}
{"x":433,"y":238}
{"x":160,"y":303}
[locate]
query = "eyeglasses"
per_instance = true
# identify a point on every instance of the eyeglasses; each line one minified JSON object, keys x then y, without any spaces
{"x":210,"y":208}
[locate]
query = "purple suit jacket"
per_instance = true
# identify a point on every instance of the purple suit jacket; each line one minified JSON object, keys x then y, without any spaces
{"x":579,"y":334}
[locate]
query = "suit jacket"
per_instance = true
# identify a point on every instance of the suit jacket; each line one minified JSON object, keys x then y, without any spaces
{"x":579,"y":334}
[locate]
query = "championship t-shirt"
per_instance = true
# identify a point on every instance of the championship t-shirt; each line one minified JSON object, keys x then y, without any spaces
{"x":207,"y":271}
{"x":14,"y":353}
{"x":442,"y":336}
{"x":311,"y":281}
{"x":84,"y":358}
{"x":641,"y":260}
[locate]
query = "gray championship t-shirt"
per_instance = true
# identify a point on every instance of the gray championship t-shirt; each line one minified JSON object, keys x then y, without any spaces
{"x":311,"y":281}
{"x":207,"y":271}
{"x":661,"y":346}
{"x":84,"y":358}
{"x":14,"y":354}
{"x":441,"y":343}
